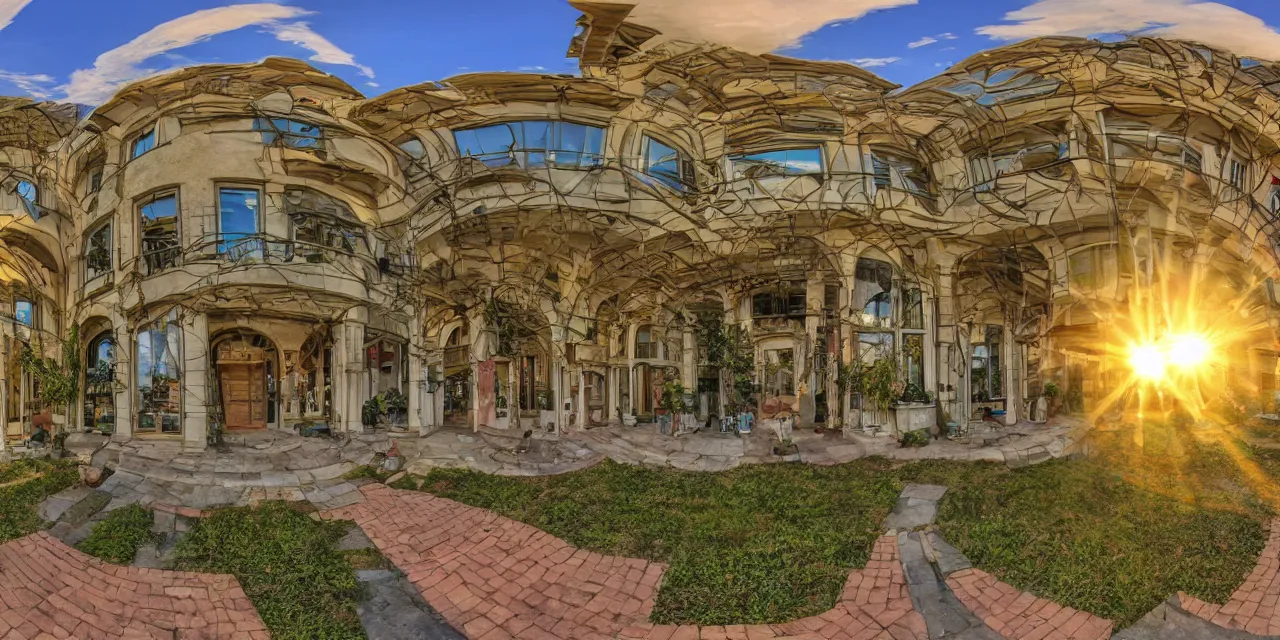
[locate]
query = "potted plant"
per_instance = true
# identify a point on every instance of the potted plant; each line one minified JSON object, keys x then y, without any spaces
{"x":917,"y":438}
{"x":371,"y":411}
{"x":396,"y":405}
{"x":1051,"y":393}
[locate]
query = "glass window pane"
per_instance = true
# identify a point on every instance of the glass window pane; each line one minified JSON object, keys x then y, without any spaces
{"x":804,"y":161}
{"x":872,"y":292}
{"x":97,"y":255}
{"x":144,"y":143}
{"x":27,"y":191}
{"x":159,"y":233}
{"x":912,"y":309}
{"x":238,"y":222}
{"x":24,"y":312}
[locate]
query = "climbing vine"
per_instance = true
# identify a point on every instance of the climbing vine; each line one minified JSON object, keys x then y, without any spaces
{"x":58,"y":381}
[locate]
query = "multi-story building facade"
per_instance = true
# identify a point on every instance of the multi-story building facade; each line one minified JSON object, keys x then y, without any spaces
{"x":254,"y":246}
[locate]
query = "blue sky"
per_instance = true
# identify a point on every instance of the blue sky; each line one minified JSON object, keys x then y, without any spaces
{"x":81,"y":50}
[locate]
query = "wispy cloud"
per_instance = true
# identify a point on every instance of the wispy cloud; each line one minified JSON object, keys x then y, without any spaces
{"x":125,"y":63}
{"x":915,"y":44}
{"x":755,"y":26}
{"x":873,"y":62}
{"x":35,"y":84}
{"x":1209,"y":23}
{"x":9,"y":9}
{"x":301,"y":34}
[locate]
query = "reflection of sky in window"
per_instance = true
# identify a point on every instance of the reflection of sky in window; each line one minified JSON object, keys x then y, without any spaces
{"x":22,"y":312}
{"x":166,"y":207}
{"x":662,"y":162}
{"x":296,"y":133}
{"x":1006,"y":85}
{"x":529,"y":142}
{"x":144,"y":143}
{"x":238,"y":212}
{"x":784,"y":162}
{"x":27,"y":191}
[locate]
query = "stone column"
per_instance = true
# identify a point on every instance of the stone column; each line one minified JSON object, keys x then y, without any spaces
{"x":582,"y":397}
{"x":1012,"y":356}
{"x":945,"y":332}
{"x":126,"y":391}
{"x":195,"y":380}
{"x":347,"y":370}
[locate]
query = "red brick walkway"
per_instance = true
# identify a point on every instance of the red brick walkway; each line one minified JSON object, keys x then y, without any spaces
{"x":1018,"y":615}
{"x":1253,"y":607}
{"x":50,"y":590}
{"x":495,"y":578}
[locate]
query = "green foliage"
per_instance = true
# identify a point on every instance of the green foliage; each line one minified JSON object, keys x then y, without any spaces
{"x":1050,"y":390}
{"x":917,"y":438}
{"x":288,"y":565}
{"x":880,"y":384}
{"x":58,"y":380}
{"x":761,"y":543}
{"x":673,"y":393}
{"x":373,"y":409}
{"x":26,"y":483}
{"x":729,"y":349}
{"x":394,"y":400}
{"x":118,"y":538}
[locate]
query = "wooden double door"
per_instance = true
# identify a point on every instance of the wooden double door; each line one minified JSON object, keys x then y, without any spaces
{"x":244,"y":394}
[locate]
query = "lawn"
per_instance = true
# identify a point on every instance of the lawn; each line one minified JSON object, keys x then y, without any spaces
{"x":751,"y":545}
{"x":119,"y":536}
{"x":1113,"y":534}
{"x":24,"y":484}
{"x":288,"y":564}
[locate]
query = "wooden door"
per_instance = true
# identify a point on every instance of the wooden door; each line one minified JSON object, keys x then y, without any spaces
{"x":244,"y":395}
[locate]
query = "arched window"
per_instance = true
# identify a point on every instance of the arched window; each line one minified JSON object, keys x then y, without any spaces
{"x":99,"y":383}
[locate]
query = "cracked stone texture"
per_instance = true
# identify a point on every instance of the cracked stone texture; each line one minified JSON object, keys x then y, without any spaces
{"x":917,"y":507}
{"x":55,"y":591}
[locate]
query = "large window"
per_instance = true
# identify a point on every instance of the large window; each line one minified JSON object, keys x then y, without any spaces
{"x":143,"y":143}
{"x":784,"y":162}
{"x":314,"y":233}
{"x":988,"y":88}
{"x":238,"y":223}
{"x":987,"y":379}
{"x":533,"y":143}
{"x":24,"y":311}
{"x":30,"y":196}
{"x":647,"y":344}
{"x":873,"y":293}
{"x":788,"y":302}
{"x":158,"y":218}
{"x":97,"y":253}
{"x":160,"y":376}
{"x":292,"y":133}
{"x":99,"y":383}
{"x":667,"y":165}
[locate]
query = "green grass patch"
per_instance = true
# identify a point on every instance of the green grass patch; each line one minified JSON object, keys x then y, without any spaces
{"x":27,"y":482}
{"x":288,"y":565}
{"x":368,"y":471}
{"x":1150,"y":513}
{"x":756,"y":544}
{"x":118,"y":537}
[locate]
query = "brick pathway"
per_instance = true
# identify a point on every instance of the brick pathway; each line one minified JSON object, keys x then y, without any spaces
{"x":874,"y":604}
{"x":495,"y":578}
{"x":1021,"y":616}
{"x":50,"y":590}
{"x":1253,"y":607}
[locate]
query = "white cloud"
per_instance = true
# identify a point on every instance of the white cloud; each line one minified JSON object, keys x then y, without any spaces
{"x":9,"y":10}
{"x":947,"y":36}
{"x":1209,"y":23}
{"x":124,"y":63}
{"x":533,"y":68}
{"x":372,"y":84}
{"x":921,"y":42}
{"x":873,"y":62}
{"x":32,"y":83}
{"x":755,"y":26}
{"x":301,"y":34}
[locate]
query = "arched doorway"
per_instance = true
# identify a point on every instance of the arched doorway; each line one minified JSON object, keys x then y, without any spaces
{"x":457,"y":371}
{"x":99,"y":383}
{"x":246,"y":365}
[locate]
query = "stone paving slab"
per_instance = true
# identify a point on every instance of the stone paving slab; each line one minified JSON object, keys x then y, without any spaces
{"x":1254,"y":606}
{"x":1018,"y":615}
{"x":493,"y":578}
{"x":50,"y":590}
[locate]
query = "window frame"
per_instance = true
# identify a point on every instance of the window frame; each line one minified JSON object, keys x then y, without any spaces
{"x":272,"y":134}
{"x":735,"y":159}
{"x":31,"y":311}
{"x":232,"y":250}
{"x":105,"y":225}
{"x":170,"y":319}
{"x":685,"y":179}
{"x":519,"y":153}
{"x":151,"y":198}
{"x":149,"y":132}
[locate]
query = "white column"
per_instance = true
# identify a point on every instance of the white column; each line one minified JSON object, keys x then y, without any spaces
{"x":582,"y":397}
{"x":1012,"y":358}
{"x":126,"y":377}
{"x":347,"y":370}
{"x":195,"y":376}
